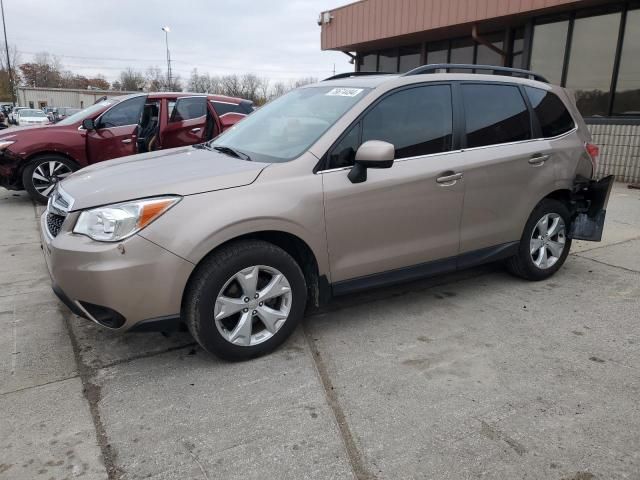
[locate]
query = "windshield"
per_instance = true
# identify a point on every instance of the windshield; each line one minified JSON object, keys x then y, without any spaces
{"x":32,"y":113}
{"x":285,"y":128}
{"x":86,"y":113}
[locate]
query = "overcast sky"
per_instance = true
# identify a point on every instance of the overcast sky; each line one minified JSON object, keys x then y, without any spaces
{"x":278,"y":39}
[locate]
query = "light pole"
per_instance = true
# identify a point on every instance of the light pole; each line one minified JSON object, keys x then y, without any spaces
{"x":166,"y":31}
{"x":6,"y":45}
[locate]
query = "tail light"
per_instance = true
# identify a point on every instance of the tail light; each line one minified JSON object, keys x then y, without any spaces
{"x":593,"y":151}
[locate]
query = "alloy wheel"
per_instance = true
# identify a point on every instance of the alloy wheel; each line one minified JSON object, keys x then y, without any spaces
{"x":46,"y":175}
{"x":548,"y":241}
{"x":253,"y":305}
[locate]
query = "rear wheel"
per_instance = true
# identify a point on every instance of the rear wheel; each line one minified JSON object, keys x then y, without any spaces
{"x":544,"y":245}
{"x":42,"y":175}
{"x":245,"y":300}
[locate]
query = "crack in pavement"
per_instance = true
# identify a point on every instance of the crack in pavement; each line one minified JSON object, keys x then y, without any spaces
{"x":609,"y":264}
{"x":599,"y":247}
{"x":356,"y":462}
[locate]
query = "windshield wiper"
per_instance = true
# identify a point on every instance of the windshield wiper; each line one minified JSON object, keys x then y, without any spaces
{"x":232,"y":152}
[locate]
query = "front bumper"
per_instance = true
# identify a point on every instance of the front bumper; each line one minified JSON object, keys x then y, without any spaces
{"x":133,"y":284}
{"x":10,"y":170}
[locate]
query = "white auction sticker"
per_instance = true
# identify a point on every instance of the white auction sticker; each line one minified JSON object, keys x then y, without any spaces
{"x":344,"y":92}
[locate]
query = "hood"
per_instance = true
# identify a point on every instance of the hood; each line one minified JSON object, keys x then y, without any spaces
{"x":26,"y":129}
{"x":179,"y":171}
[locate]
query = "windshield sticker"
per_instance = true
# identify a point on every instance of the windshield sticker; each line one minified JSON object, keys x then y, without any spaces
{"x":344,"y":92}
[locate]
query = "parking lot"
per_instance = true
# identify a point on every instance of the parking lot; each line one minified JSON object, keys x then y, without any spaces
{"x":472,"y":375}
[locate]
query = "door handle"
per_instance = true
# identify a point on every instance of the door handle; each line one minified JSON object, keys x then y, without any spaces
{"x":538,"y":159}
{"x":126,"y":140}
{"x":196,"y":130}
{"x":450,"y":179}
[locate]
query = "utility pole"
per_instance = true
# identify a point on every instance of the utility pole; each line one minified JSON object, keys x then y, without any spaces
{"x":6,"y":45}
{"x":166,"y":31}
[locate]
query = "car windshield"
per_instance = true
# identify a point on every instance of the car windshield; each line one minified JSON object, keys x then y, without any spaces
{"x":86,"y":113}
{"x":285,"y":128}
{"x":32,"y":113}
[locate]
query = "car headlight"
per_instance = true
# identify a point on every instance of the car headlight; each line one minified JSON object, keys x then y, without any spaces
{"x":116,"y":222}
{"x":5,"y":143}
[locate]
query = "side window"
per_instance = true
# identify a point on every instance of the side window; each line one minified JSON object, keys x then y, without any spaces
{"x":552,"y":115}
{"x":127,"y":112}
{"x":188,"y":108}
{"x":344,"y":153}
{"x":226,"y":107}
{"x":495,"y":114}
{"x":417,"y":121}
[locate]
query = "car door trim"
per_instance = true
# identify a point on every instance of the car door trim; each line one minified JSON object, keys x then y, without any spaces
{"x":427,"y":269}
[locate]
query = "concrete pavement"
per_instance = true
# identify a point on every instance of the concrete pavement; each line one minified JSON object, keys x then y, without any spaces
{"x":471,"y":375}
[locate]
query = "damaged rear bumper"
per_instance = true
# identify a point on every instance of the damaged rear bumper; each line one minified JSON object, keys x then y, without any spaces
{"x":590,"y":198}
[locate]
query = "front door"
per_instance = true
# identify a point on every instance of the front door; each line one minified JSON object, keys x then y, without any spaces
{"x":187,"y":122}
{"x":115,"y":133}
{"x":405,"y":216}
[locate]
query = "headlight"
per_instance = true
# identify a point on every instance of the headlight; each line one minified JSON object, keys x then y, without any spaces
{"x":5,"y":143}
{"x":116,"y":222}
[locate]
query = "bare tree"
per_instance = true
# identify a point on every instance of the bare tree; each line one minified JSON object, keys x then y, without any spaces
{"x":155,"y":79}
{"x":5,"y":84}
{"x":131,"y":80}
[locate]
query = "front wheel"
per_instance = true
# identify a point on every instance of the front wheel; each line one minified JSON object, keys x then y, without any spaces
{"x":245,"y":300}
{"x":40,"y":177}
{"x":544,"y":245}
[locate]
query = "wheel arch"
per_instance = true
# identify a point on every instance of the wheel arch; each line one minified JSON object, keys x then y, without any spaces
{"x":35,"y":156}
{"x":317,"y":285}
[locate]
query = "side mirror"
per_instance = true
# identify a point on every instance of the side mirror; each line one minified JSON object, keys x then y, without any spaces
{"x":371,"y":154}
{"x":88,"y":124}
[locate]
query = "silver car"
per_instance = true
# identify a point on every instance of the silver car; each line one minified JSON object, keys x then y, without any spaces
{"x":355,"y":182}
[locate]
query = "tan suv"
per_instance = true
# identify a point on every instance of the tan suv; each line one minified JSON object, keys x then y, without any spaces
{"x":354,"y":182}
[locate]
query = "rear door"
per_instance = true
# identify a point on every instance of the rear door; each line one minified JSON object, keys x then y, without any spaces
{"x":116,"y":130}
{"x":507,"y":170}
{"x":406,"y":215}
{"x":187,"y":122}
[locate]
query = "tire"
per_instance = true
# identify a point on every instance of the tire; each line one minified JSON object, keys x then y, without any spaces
{"x":42,"y":174}
{"x":530,"y":263}
{"x":214,"y":291}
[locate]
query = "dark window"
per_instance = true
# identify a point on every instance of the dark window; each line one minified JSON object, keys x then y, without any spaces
{"x":417,"y":121}
{"x":224,"y":107}
{"x":627,"y":97}
{"x":494,"y":114}
{"x":437,"y":52}
{"x":188,"y":108}
{"x":127,"y":112}
{"x":409,"y":58}
{"x":517,"y":57}
{"x":368,"y":62}
{"x":553,"y":117}
{"x":388,"y":61}
{"x":547,"y":52}
{"x":593,"y":50}
{"x":461,"y":52}
{"x":344,"y":153}
{"x":486,"y":56}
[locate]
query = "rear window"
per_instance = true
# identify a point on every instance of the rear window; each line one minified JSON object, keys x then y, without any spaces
{"x":495,"y":114}
{"x":226,"y":107}
{"x":553,"y":116}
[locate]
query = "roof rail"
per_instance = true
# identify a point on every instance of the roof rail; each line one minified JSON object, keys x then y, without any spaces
{"x":434,"y":67}
{"x":355,"y":74}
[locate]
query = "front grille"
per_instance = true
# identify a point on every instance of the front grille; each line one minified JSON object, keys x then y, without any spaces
{"x":54,"y":223}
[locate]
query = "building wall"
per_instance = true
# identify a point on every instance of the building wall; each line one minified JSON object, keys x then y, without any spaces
{"x":619,"y":151}
{"x":57,"y":97}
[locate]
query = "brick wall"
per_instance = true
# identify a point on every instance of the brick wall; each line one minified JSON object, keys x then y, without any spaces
{"x":619,"y":151}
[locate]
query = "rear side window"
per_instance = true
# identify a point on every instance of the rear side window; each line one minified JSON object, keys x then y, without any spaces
{"x":127,"y":112}
{"x":226,"y":107}
{"x":495,"y":114}
{"x":417,"y":121}
{"x":188,"y":108}
{"x":553,"y":116}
